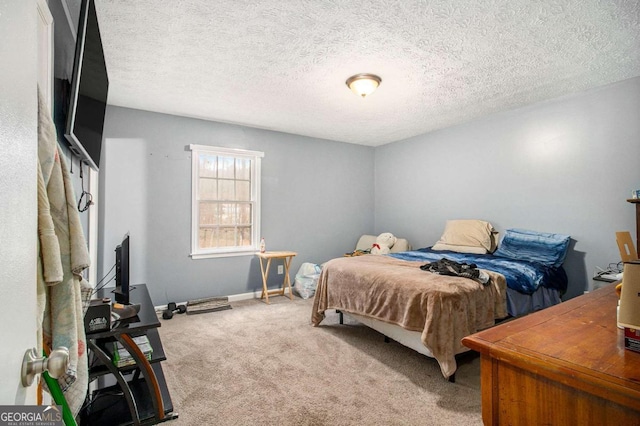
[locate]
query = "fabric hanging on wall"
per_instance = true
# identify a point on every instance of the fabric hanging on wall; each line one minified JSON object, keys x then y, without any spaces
{"x":63,"y":256}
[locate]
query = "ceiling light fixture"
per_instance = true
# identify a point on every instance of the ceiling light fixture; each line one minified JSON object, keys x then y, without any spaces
{"x":363,"y":84}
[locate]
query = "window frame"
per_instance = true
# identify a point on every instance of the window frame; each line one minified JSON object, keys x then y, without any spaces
{"x":256,"y":159}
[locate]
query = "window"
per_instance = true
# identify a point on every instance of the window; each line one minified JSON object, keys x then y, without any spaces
{"x":225,"y":201}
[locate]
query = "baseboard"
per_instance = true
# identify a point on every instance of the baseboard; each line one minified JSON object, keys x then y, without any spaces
{"x":232,"y":298}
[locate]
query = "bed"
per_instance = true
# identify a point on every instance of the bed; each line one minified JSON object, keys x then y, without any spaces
{"x":431,"y":313}
{"x":531,"y":286}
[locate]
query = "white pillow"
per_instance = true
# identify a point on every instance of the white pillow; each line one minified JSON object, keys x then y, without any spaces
{"x":459,"y":249}
{"x":464,"y":233}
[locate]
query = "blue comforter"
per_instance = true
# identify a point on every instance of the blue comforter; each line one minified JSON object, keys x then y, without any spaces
{"x":521,"y":275}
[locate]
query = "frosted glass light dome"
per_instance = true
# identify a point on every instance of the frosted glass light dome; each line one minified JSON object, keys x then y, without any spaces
{"x":363,"y":84}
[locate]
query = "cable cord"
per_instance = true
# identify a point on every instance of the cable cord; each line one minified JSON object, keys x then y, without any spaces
{"x":97,"y":289}
{"x":86,"y":196}
{"x":100,"y":287}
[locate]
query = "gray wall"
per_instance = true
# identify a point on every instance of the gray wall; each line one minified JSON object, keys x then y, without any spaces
{"x":564,"y":166}
{"x":317,"y":199}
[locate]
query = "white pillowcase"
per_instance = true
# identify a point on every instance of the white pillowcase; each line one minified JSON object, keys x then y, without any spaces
{"x":468,"y":236}
{"x":459,"y":249}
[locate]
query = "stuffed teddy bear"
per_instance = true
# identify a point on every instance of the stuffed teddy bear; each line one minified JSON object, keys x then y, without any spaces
{"x":383,"y":243}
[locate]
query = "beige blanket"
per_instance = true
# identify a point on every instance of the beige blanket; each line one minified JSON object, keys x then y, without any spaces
{"x":444,"y":308}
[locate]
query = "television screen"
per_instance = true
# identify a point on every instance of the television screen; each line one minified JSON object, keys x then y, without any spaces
{"x":89,"y":88}
{"x":122,"y":272}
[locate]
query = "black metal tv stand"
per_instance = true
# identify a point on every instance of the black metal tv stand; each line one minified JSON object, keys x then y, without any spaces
{"x":136,"y":394}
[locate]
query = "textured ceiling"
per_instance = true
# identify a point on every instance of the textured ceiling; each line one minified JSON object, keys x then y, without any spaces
{"x":282,"y":64}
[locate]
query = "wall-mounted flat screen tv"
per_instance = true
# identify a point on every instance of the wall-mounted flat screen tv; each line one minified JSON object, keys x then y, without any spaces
{"x":89,"y":89}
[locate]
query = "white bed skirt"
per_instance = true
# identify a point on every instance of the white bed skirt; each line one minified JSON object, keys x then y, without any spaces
{"x":408,"y":338}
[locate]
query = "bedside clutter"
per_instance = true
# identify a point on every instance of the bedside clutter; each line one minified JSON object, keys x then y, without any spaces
{"x":629,"y":313}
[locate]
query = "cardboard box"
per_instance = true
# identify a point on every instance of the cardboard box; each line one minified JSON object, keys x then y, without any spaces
{"x":632,"y":339}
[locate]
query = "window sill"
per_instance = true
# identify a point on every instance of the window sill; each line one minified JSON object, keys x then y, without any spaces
{"x":197,"y":256}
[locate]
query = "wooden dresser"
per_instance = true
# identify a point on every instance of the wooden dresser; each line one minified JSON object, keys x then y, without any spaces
{"x":565,"y":365}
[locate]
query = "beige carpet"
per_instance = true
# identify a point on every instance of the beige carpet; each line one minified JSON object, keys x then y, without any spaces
{"x":259,"y":364}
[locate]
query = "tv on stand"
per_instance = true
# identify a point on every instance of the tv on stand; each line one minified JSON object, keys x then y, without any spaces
{"x":122,"y":272}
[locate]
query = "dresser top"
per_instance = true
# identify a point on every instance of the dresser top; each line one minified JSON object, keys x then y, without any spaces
{"x":574,"y":340}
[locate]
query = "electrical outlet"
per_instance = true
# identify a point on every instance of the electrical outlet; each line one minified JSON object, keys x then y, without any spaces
{"x":280,"y":269}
